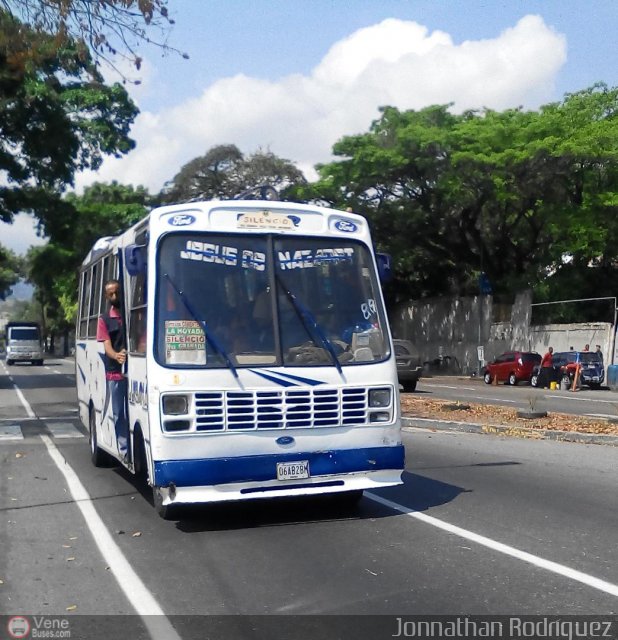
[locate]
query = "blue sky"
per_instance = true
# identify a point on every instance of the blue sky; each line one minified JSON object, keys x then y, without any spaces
{"x":273,"y":38}
{"x":293,"y":76}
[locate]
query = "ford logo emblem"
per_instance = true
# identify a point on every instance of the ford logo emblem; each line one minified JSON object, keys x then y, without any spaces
{"x":285,"y":440}
{"x":346,"y":226}
{"x":181,"y":220}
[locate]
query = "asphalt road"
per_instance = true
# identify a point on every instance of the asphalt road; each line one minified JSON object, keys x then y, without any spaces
{"x":482,"y":525}
{"x":601,"y":403}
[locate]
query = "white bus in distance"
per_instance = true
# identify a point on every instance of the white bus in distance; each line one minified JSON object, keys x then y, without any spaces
{"x":260,"y":362}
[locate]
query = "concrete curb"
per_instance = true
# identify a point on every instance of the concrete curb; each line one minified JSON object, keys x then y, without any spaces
{"x":507,"y":430}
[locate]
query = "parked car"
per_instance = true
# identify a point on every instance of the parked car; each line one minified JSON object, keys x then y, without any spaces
{"x":564,"y":365}
{"x":409,"y":367}
{"x":512,"y":367}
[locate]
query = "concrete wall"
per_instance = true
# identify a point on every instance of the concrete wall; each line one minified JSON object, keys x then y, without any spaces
{"x":448,"y":331}
{"x":445,"y":329}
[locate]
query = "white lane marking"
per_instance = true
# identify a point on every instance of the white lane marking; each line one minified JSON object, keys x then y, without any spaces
{"x":135,"y":590}
{"x":11,"y":432}
{"x":64,"y":430}
{"x":23,"y":400}
{"x":537,"y":561}
{"x":602,"y":415}
{"x":580,"y":399}
{"x":58,"y":372}
{"x":444,"y":386}
{"x":20,"y":395}
{"x":495,"y":399}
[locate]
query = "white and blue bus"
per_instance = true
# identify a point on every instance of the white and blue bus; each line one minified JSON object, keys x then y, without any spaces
{"x":260,"y":362}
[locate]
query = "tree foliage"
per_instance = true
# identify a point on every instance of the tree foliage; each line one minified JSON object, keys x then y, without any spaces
{"x":224,"y":172}
{"x":102,"y":210}
{"x":109,"y":28}
{"x":11,"y":271}
{"x":509,"y":194}
{"x":56,"y":118}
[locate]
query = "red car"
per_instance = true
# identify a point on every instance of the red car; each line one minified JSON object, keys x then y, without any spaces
{"x":512,"y":367}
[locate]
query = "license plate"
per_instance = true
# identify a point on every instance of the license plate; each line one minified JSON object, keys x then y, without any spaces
{"x":293,"y":470}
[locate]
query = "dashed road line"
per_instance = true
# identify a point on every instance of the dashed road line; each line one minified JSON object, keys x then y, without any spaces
{"x":444,"y":386}
{"x":10,"y":432}
{"x":64,"y":430}
{"x":496,"y":399}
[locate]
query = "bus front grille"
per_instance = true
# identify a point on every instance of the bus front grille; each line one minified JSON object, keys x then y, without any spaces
{"x":285,"y":409}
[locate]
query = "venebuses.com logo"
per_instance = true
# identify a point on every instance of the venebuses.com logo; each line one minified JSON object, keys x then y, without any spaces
{"x":38,"y":627}
{"x":18,"y":627}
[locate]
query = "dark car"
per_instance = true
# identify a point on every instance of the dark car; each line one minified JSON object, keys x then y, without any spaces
{"x":564,"y":365}
{"x":409,"y":365}
{"x":512,"y":367}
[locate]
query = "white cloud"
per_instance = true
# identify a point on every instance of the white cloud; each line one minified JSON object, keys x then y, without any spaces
{"x":21,"y":234}
{"x":299,"y":117}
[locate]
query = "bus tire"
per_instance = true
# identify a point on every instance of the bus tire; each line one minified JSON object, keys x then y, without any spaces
{"x":97,"y":455}
{"x":165,"y":511}
{"x":139,"y":455}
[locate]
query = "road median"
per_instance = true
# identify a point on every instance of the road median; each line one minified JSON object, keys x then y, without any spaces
{"x":507,"y":421}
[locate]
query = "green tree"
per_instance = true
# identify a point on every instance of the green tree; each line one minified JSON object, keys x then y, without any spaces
{"x":56,"y":118}
{"x":102,"y":210}
{"x":224,"y":172}
{"x":111,"y":28}
{"x":509,"y":194}
{"x":11,"y":271}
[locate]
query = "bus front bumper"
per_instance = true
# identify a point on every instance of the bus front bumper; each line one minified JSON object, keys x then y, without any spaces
{"x":249,"y":477}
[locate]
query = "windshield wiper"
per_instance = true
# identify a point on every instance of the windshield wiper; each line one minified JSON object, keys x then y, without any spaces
{"x":214,"y":343}
{"x":309,"y":322}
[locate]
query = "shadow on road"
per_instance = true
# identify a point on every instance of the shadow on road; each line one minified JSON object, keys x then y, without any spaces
{"x":38,"y":382}
{"x":418,"y":493}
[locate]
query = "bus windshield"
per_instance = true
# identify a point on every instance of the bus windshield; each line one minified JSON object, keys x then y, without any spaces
{"x":266,"y":300}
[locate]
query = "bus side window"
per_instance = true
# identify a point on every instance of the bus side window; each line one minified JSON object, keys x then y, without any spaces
{"x":137,"y":328}
{"x":138,"y":300}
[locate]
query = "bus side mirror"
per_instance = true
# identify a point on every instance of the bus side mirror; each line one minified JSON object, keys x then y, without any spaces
{"x":384,"y":267}
{"x":134,"y":259}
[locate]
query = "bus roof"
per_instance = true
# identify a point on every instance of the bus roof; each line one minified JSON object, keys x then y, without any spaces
{"x":242,"y":216}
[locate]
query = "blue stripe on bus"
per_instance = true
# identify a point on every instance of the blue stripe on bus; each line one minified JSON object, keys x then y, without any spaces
{"x":283,"y":383}
{"x":313,"y":383}
{"x":212,"y":471}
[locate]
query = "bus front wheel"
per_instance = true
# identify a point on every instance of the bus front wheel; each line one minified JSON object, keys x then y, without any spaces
{"x":97,"y":455}
{"x":166,"y":511}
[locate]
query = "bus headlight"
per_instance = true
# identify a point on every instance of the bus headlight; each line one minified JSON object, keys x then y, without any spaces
{"x":175,"y":405}
{"x":379,"y":398}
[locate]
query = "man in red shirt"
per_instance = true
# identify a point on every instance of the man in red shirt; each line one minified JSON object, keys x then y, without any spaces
{"x":546,"y":369}
{"x":111,"y":333}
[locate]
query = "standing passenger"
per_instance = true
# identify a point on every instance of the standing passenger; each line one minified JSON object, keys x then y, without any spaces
{"x":111,"y":333}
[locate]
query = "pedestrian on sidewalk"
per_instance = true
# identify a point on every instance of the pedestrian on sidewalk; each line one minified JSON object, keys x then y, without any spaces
{"x":547,"y":367}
